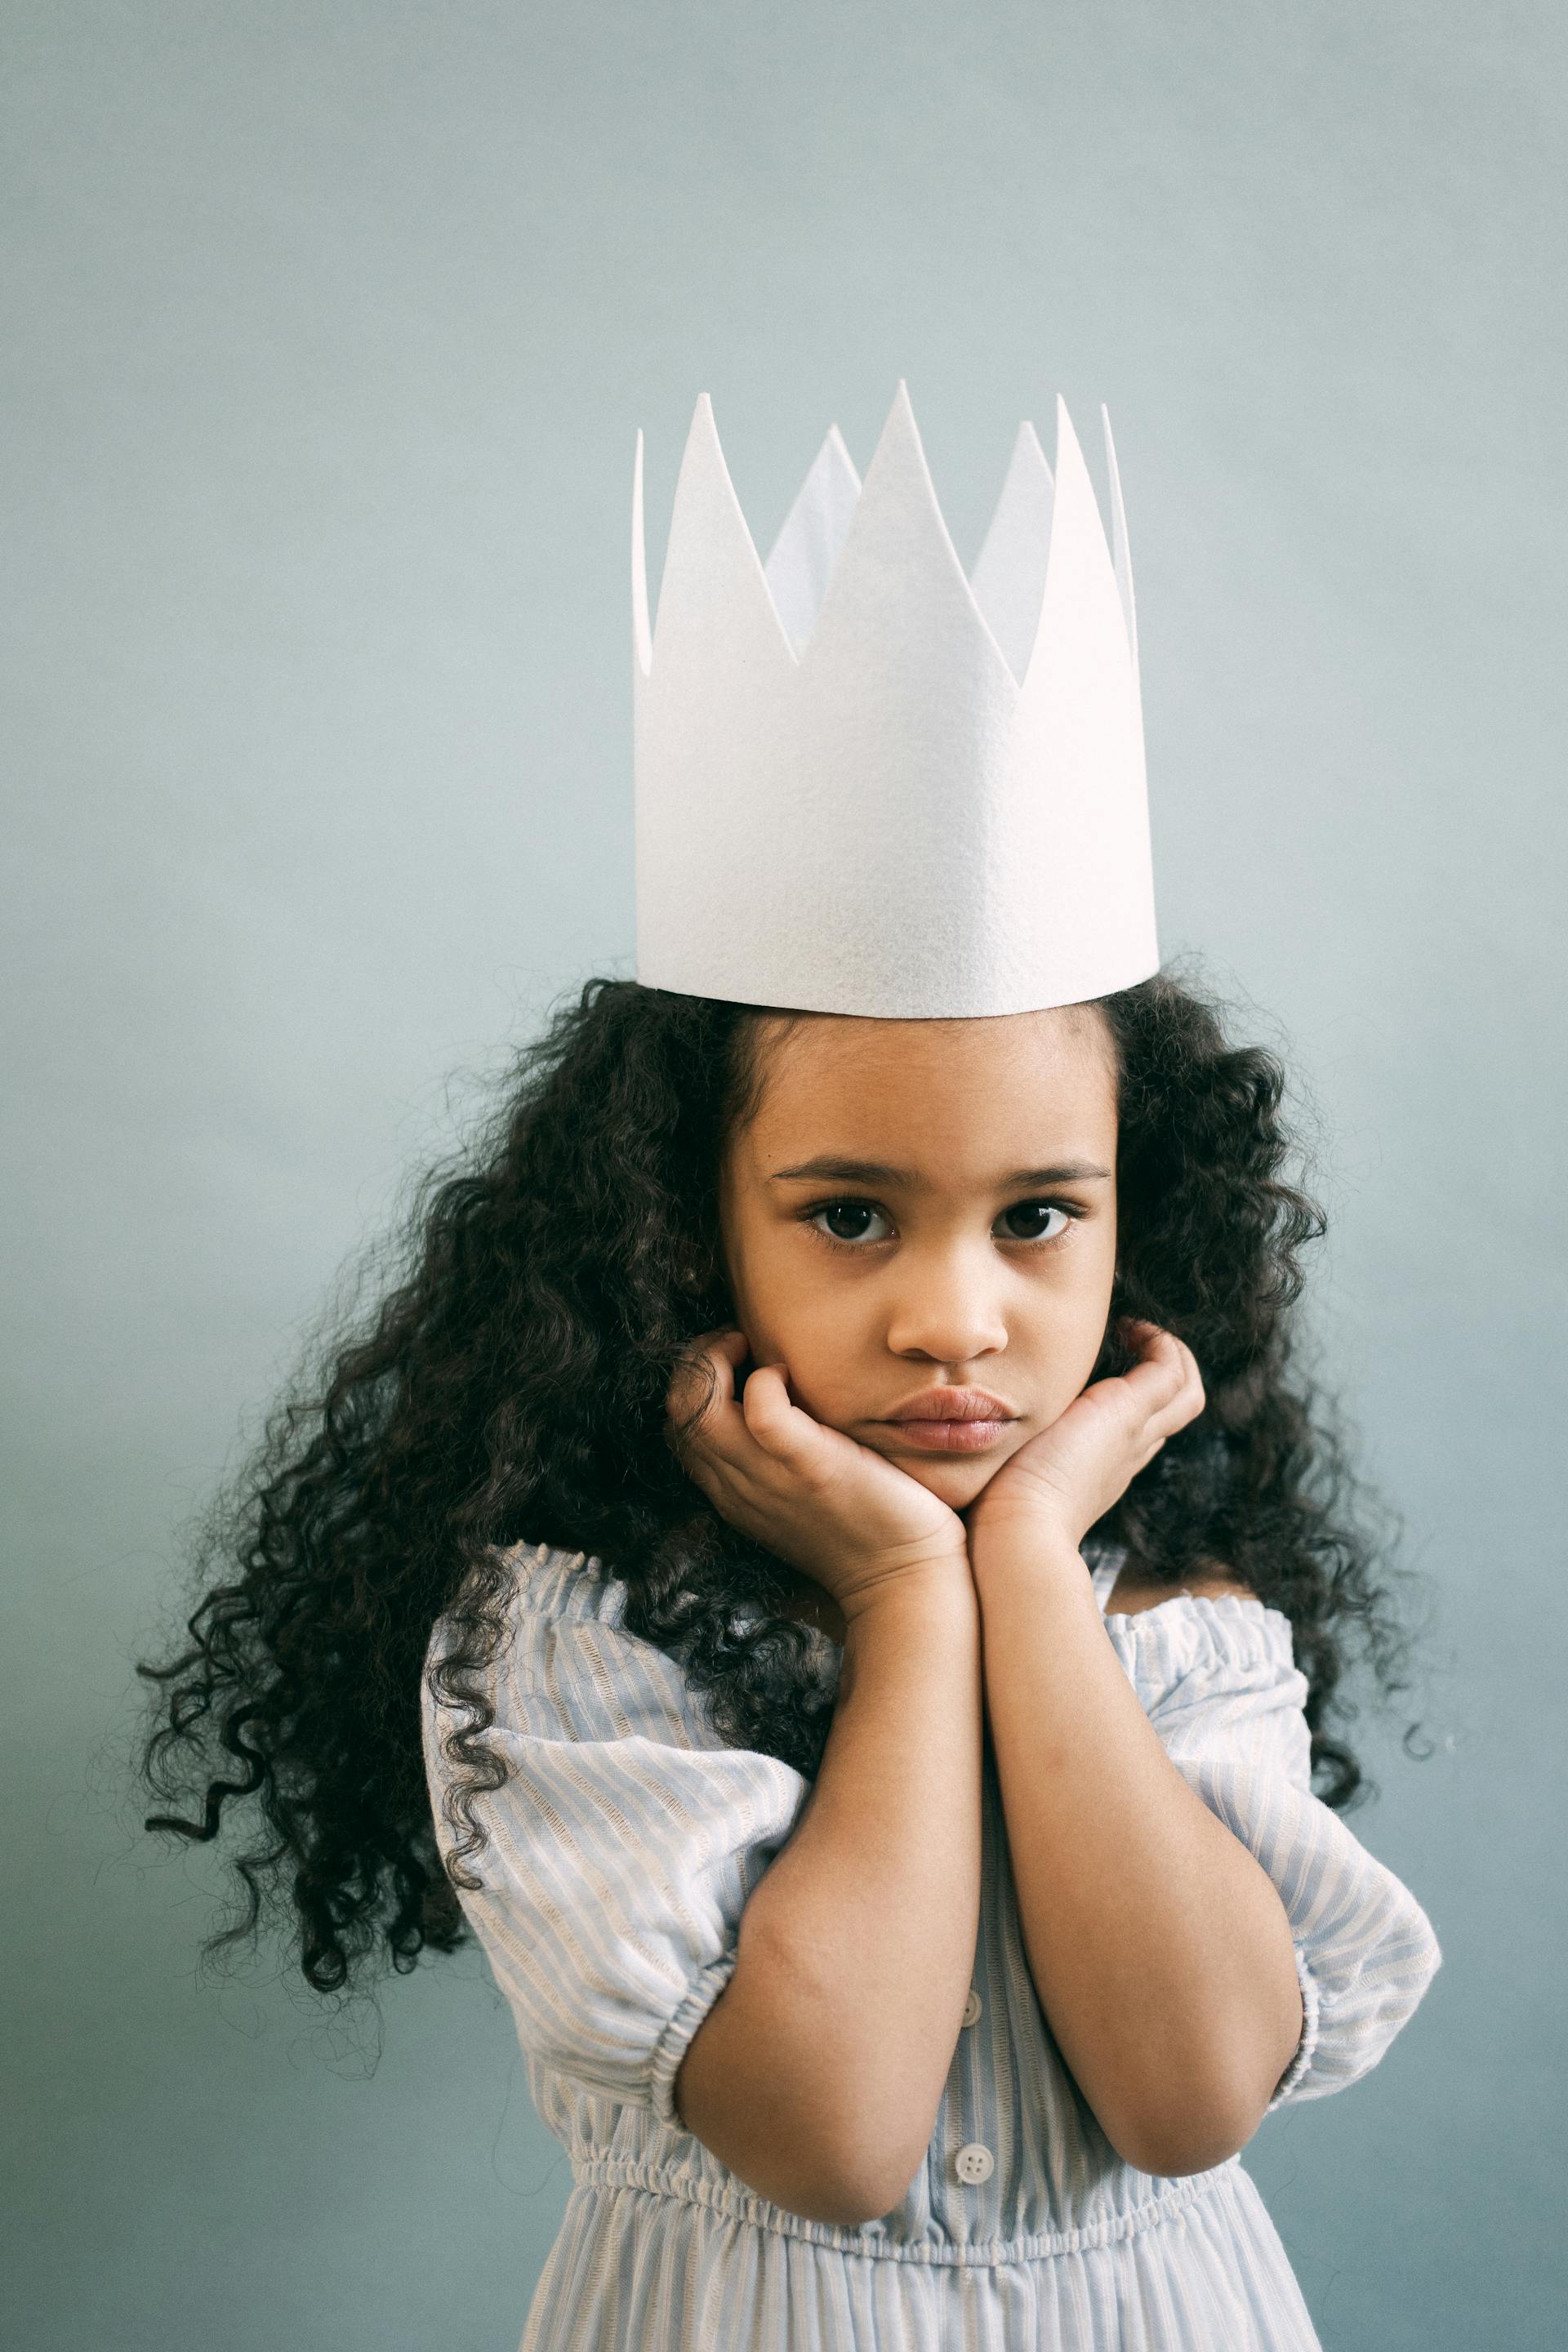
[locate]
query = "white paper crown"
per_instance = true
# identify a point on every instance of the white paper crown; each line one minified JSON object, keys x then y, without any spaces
{"x":867,"y":785}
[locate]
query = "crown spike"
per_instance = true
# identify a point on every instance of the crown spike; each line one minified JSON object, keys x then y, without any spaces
{"x":1082,"y":850}
{"x":1078,"y":567}
{"x":1121,"y":554}
{"x":1009,"y":574}
{"x":713,"y":574}
{"x":897,"y":557}
{"x":812,"y":538}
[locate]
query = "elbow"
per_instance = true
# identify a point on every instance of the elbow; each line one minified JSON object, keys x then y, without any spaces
{"x":843,"y":2196}
{"x":842,"y":2204}
{"x":863,"y":2186}
{"x":804,"y":2182}
{"x":1168,"y":2152}
{"x":1192,"y":2137}
{"x":1205,"y":2112}
{"x":784,"y":2154}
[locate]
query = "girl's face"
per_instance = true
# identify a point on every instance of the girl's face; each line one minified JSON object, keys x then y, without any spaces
{"x":928,"y":1205}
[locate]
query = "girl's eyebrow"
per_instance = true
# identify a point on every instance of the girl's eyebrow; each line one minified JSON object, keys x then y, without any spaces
{"x":877,"y":1172}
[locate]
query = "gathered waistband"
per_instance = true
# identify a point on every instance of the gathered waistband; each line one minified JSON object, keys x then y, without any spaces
{"x":738,"y":2204}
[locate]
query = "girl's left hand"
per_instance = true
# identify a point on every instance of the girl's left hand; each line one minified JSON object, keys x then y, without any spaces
{"x":1064,"y":1478}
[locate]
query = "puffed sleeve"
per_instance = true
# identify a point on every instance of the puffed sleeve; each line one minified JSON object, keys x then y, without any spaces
{"x":1218,"y":1681}
{"x":619,"y":1854}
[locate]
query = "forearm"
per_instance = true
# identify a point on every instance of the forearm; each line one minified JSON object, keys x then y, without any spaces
{"x":1159,"y":1947}
{"x":818,"y":2073}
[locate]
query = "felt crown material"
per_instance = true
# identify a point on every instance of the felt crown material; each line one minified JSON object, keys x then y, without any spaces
{"x":867,"y":785}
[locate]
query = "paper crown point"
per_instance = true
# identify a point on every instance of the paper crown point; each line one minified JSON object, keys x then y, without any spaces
{"x":868,"y":783}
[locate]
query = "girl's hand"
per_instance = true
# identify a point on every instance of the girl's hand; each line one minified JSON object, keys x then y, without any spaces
{"x":845,"y":1515}
{"x":1066,"y":1476}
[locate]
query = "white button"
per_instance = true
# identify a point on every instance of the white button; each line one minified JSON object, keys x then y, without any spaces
{"x":974,"y":2163}
{"x":972,"y":2007}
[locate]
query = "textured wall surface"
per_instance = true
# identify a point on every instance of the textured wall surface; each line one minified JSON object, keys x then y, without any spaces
{"x":327,"y":330}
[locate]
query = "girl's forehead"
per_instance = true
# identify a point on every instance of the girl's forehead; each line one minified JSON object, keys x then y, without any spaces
{"x":1069,"y":1042}
{"x":1029,"y":1084}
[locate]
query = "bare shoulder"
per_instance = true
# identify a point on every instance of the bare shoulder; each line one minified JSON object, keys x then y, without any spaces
{"x":1136,"y":1590}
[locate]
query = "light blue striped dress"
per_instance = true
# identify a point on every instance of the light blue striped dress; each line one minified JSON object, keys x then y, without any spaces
{"x":622,"y":1851}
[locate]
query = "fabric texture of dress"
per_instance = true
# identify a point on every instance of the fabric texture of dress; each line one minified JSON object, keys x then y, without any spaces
{"x":619,"y":1856}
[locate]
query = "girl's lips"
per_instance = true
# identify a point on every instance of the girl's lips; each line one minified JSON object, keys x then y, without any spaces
{"x":950,"y":1437}
{"x":953,"y":1404}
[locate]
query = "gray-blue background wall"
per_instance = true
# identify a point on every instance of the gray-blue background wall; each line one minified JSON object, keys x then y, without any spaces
{"x":327,"y":333}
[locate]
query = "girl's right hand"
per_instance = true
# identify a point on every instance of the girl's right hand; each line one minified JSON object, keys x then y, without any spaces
{"x":851,"y":1519}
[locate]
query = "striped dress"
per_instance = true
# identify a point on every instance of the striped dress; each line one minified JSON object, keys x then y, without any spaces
{"x":620,"y":1854}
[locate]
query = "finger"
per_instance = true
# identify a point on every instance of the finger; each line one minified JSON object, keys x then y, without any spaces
{"x":1151,"y":1342}
{"x":1148,"y":1455}
{"x":1187,"y":1401}
{"x":1163,"y":1390}
{"x":1184,"y":1407}
{"x":1192,"y":1388}
{"x":767,"y":1411}
{"x":1155,"y":1378}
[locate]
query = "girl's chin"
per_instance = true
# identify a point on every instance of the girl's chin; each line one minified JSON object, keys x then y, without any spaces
{"x":956,"y":1477}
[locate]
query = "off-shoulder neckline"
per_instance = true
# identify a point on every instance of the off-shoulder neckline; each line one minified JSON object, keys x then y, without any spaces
{"x":1105,"y":1567}
{"x":1103,"y":1574}
{"x":1224,"y":1604}
{"x":1221,"y":1602}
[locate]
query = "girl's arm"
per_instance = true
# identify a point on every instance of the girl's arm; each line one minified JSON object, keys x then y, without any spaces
{"x":817,"y":2073}
{"x":1160,"y":1948}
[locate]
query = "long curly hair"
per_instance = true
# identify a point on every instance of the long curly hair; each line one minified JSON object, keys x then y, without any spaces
{"x":508,"y":1387}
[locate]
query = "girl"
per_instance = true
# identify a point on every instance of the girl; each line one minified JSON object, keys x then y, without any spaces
{"x":824,"y":1564}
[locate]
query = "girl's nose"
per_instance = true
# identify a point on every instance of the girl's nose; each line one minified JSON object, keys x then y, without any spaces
{"x":945,"y":1310}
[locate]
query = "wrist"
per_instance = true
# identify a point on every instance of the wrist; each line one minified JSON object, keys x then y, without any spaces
{"x":1038,"y":1545}
{"x":940,"y":1585}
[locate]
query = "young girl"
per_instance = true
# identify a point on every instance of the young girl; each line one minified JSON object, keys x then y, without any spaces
{"x":822,"y":1562}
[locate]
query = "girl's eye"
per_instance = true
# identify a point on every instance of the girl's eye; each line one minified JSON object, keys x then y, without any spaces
{"x":1031,"y":1212}
{"x":851,"y":1212}
{"x":1044,"y":1221}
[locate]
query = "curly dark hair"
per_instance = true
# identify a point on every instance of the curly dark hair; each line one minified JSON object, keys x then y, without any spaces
{"x":508,"y":1388}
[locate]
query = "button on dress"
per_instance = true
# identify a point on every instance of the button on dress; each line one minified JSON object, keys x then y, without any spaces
{"x":619,"y":1856}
